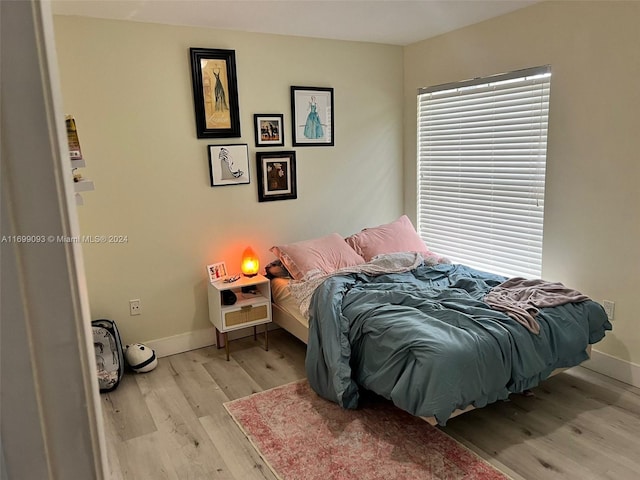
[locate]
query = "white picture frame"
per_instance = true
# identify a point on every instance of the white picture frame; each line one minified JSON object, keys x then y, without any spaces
{"x":228,"y":164}
{"x":217,"y":271}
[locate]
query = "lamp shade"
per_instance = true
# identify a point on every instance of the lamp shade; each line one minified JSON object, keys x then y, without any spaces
{"x":250,"y":262}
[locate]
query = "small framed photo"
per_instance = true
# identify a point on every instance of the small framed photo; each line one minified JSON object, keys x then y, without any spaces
{"x":216,"y":271}
{"x":228,"y":164}
{"x":312,"y":116}
{"x":276,"y":176}
{"x":215,"y":92}
{"x":269,"y":130}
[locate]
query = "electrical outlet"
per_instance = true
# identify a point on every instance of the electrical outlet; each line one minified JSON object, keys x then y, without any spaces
{"x":608,"y":308}
{"x":135,"y":307}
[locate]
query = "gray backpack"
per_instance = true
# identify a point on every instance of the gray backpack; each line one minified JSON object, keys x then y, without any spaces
{"x":109,"y":354}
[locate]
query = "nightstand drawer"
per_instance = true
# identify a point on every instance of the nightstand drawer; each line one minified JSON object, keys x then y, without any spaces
{"x":246,"y":314}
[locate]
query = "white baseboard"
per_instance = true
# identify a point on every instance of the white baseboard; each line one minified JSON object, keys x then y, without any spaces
{"x":192,"y":340}
{"x":183,"y":343}
{"x":614,"y":367}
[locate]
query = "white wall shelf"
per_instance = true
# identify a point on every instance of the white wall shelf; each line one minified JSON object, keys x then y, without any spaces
{"x":83,"y":185}
{"x":79,"y":163}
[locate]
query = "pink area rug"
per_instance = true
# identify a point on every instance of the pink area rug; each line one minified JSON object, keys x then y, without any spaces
{"x":304,"y":437}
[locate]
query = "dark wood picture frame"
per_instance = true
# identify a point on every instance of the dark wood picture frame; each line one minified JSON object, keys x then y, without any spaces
{"x":215,"y":92}
{"x":269,"y":129}
{"x":312,"y":122}
{"x":276,"y":176}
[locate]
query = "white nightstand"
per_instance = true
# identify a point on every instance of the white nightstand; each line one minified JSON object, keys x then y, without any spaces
{"x":252,"y":307}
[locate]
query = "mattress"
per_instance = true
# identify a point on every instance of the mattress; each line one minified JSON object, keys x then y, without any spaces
{"x":286,"y":309}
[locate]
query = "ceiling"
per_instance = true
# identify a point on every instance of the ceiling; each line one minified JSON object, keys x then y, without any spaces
{"x":394,"y":22}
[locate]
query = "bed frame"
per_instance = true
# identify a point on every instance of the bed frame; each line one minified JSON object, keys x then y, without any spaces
{"x":292,"y":325}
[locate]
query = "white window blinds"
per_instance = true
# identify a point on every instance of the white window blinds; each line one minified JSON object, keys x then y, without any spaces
{"x":482,"y":148}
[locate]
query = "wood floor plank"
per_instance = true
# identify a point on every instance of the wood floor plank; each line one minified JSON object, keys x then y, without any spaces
{"x":609,"y":430}
{"x":566,"y":426}
{"x":607,"y":383}
{"x":609,"y":406}
{"x":183,"y":439}
{"x":203,"y":355}
{"x":270,"y":368}
{"x":146,"y":457}
{"x":576,"y":441}
{"x":127,"y":409}
{"x":579,"y":425}
{"x":200,"y":390}
{"x":113,"y":443}
{"x":614,"y":417}
{"x":294,"y":349}
{"x":485,"y":429}
{"x":234,"y":381}
{"x":575,"y":387}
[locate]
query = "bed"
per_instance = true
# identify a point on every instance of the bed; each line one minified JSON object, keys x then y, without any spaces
{"x":399,"y":320}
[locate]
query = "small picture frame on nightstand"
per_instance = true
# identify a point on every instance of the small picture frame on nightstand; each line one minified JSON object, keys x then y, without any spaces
{"x":216,"y":271}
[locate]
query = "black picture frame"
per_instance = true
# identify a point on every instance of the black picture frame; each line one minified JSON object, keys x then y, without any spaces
{"x":312,"y":122}
{"x":215,"y":92}
{"x":276,"y":176}
{"x":229,"y":164}
{"x":269,"y":129}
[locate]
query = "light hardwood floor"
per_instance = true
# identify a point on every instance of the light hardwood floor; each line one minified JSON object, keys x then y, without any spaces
{"x":170,"y":423}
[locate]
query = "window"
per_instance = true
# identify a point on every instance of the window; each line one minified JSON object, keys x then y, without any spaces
{"x":482,"y":147}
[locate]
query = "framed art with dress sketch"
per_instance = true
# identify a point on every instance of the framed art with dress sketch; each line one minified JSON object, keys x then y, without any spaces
{"x":312,"y":116}
{"x":215,"y":92}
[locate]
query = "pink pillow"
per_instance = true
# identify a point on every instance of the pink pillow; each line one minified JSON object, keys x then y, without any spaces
{"x":398,"y":236}
{"x":321,"y":255}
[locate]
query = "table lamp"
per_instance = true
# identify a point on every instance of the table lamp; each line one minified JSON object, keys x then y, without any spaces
{"x":250,"y":262}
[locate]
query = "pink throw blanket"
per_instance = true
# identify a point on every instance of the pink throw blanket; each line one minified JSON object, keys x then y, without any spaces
{"x":520,"y":299}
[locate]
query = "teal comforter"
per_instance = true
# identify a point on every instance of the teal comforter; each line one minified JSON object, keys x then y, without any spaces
{"x":425,"y":340}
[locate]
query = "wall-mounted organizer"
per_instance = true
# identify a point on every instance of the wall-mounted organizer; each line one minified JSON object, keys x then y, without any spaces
{"x":80,"y":184}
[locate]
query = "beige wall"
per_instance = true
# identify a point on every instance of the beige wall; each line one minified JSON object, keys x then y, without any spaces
{"x":592,"y":229}
{"x":129,"y":87}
